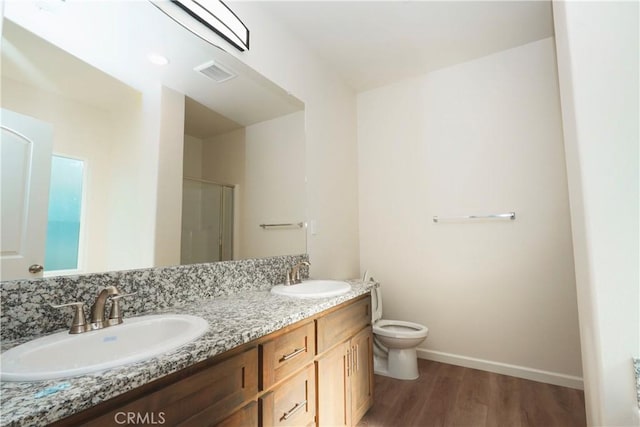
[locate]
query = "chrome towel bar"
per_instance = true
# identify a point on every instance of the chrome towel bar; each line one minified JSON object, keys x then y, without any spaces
{"x":294,"y":225}
{"x":509,"y":215}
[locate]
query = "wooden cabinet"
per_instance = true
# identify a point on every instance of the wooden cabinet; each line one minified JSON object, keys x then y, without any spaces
{"x":345,"y":381}
{"x":343,"y":323}
{"x":316,"y":372}
{"x":203,"y":398}
{"x":361,"y":374}
{"x":288,"y":378}
{"x":334,"y":390}
{"x":247,"y":416}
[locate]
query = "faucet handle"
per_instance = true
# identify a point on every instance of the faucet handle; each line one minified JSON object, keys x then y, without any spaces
{"x":115,"y":315}
{"x":79,"y":321}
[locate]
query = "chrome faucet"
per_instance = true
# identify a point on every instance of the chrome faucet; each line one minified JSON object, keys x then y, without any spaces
{"x":293,"y":274}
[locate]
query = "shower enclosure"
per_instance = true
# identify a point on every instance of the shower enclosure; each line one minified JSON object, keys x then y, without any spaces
{"x":207,"y":222}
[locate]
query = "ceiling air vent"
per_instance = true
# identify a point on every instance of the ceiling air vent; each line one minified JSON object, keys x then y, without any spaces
{"x":215,"y":71}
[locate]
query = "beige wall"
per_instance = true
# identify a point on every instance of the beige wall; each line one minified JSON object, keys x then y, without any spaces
{"x":223,"y":161}
{"x":274,"y":190}
{"x":597,"y":45}
{"x":168,"y":230}
{"x":330,"y":127}
{"x":480,"y":137}
{"x":85,"y":137}
{"x":223,"y":158}
{"x":134,"y":183}
{"x":265,"y":163}
{"x":192,"y":161}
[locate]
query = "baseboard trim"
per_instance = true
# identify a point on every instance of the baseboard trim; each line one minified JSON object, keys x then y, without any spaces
{"x":503,"y":368}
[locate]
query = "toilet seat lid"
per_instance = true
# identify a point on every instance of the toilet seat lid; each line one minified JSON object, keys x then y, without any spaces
{"x":376,"y":304}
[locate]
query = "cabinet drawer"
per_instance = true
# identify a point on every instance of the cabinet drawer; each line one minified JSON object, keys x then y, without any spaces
{"x":285,"y":354}
{"x":343,"y":323}
{"x":245,"y":417}
{"x":208,"y":394}
{"x":292,"y":403}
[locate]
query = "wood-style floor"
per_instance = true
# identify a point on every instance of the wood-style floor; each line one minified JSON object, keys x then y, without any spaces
{"x":453,"y":396}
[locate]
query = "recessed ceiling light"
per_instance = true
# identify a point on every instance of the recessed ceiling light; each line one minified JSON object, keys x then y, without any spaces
{"x":157,"y":59}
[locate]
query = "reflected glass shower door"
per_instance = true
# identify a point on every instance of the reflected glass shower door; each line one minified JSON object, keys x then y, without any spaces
{"x":207,"y":222}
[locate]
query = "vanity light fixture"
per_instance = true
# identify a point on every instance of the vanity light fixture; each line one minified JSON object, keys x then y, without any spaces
{"x":157,"y":59}
{"x":214,"y":15}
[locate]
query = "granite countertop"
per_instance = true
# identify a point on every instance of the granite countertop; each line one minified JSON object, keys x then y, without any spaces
{"x":233,"y":320}
{"x":636,"y":369}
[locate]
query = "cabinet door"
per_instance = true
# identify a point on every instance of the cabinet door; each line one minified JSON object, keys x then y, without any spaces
{"x":334,"y":403}
{"x":361,"y":374}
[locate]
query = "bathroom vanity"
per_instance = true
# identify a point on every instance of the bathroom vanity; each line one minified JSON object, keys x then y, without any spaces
{"x":271,"y":381}
{"x":266,"y":360}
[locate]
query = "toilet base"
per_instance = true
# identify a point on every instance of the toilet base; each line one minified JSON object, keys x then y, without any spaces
{"x":380,"y":365}
{"x":401,"y":364}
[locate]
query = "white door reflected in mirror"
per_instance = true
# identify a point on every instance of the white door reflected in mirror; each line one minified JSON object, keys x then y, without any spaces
{"x":26,"y":167}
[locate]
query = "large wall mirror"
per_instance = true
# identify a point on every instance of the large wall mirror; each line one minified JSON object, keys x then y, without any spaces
{"x":150,"y":160}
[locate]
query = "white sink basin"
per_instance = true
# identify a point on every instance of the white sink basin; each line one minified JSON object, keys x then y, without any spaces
{"x":313,"y":289}
{"x":62,"y":355}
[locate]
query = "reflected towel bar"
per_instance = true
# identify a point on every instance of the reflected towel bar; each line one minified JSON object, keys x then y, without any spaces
{"x":510,"y":215}
{"x":295,"y":224}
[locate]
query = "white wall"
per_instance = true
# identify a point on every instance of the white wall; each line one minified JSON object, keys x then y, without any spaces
{"x":274,"y":190}
{"x":331,"y":150}
{"x":597,"y":47}
{"x":480,"y":137}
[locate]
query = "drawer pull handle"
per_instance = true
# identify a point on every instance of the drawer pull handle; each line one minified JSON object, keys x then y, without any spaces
{"x":356,"y":358}
{"x":293,"y":410}
{"x":294,"y":353}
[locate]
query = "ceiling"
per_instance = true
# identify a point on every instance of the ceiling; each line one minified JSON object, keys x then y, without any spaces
{"x":80,"y":49}
{"x":30,"y":60}
{"x":203,"y":123}
{"x":374,"y":43}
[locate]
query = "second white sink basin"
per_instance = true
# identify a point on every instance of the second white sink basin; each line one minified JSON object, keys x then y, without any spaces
{"x":313,"y":289}
{"x":63,"y":355}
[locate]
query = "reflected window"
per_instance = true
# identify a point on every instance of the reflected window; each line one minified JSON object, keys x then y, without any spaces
{"x":65,"y":209}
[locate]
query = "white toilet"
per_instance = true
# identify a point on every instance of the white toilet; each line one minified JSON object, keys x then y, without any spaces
{"x":394,"y":343}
